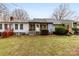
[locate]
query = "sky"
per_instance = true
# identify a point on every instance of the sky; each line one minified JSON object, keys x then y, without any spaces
{"x":42,"y":10}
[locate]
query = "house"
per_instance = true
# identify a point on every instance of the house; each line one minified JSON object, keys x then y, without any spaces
{"x":68,"y":24}
{"x":76,"y":24}
{"x":32,"y":26}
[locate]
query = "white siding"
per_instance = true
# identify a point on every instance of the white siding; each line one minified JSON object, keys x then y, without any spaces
{"x":1,"y":30}
{"x":24,"y":30}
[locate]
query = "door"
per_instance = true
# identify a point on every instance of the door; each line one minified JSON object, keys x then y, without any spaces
{"x":37,"y":27}
{"x":51,"y":28}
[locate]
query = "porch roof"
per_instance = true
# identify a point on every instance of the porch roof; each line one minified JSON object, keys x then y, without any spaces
{"x":50,"y":20}
{"x":40,"y":20}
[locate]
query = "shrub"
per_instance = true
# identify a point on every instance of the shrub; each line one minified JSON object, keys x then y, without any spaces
{"x":6,"y":34}
{"x":10,"y":33}
{"x":60,"y":30}
{"x":44,"y":32}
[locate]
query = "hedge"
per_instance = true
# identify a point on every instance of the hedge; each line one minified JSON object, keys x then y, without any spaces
{"x":60,"y":30}
{"x":6,"y":34}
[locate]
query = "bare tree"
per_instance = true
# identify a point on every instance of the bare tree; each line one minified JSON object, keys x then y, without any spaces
{"x":4,"y":12}
{"x":20,"y":14}
{"x":62,"y":12}
{"x":3,"y":7}
{"x":6,"y":15}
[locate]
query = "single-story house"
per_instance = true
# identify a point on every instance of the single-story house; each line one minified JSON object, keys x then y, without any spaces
{"x":32,"y":26}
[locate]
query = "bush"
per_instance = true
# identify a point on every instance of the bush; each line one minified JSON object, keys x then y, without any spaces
{"x":6,"y":34}
{"x":44,"y":32}
{"x":60,"y":30}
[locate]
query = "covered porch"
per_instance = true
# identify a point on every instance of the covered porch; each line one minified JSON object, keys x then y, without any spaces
{"x":37,"y":27}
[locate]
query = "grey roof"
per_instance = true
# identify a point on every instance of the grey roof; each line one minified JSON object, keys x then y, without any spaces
{"x":41,"y":20}
{"x":67,"y":21}
{"x":49,"y":20}
{"x":76,"y":21}
{"x":46,"y":20}
{"x":14,"y":21}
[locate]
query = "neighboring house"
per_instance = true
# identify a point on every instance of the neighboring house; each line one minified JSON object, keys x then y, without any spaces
{"x":76,"y":24}
{"x":68,"y":24}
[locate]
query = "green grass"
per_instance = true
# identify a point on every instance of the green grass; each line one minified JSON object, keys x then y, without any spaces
{"x":39,"y":45}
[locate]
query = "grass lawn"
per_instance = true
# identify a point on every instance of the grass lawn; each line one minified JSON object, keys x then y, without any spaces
{"x":40,"y":45}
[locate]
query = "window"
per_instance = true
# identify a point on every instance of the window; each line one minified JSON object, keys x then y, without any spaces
{"x":32,"y":27}
{"x":44,"y":26}
{"x":75,"y":24}
{"x":0,"y":26}
{"x":37,"y":25}
{"x":21,"y":26}
{"x":6,"y":26}
{"x":11,"y":18}
{"x":16,"y":26}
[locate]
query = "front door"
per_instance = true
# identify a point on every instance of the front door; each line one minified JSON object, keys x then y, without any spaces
{"x":37,"y":27}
